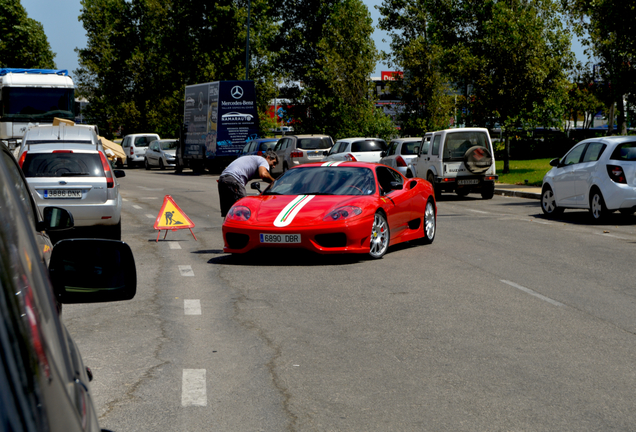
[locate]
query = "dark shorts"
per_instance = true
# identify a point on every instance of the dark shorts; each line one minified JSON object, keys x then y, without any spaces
{"x":230,"y":191}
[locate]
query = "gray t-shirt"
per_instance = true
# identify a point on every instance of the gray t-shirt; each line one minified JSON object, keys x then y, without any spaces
{"x":245,"y":167}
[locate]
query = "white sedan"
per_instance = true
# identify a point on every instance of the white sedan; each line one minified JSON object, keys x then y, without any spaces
{"x":356,"y":149}
{"x":161,"y":153}
{"x":597,"y":174}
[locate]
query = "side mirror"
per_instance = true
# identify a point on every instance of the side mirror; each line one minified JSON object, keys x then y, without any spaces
{"x":416,"y":150}
{"x":119,"y":173}
{"x":325,"y":153}
{"x":256,"y":186}
{"x":56,"y":219}
{"x":396,"y":185}
{"x":92,"y":271}
{"x":554,"y":162}
{"x":383,"y":154}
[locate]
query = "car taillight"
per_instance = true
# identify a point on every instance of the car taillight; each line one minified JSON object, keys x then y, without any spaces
{"x":259,"y":153}
{"x":400,"y":161}
{"x":22,"y":157}
{"x":351,"y":158}
{"x":616,"y":174}
{"x":132,"y":151}
{"x":296,"y":153}
{"x":110,"y":182}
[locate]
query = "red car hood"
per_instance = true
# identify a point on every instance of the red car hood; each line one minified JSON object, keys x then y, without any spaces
{"x":297,"y":210}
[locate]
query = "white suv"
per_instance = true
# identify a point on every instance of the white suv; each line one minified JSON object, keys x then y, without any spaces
{"x":458,"y":160}
{"x":357,"y":149}
{"x":66,"y":166}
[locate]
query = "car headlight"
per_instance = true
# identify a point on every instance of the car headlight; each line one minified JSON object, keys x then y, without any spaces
{"x":342,"y":213}
{"x":239,"y":214}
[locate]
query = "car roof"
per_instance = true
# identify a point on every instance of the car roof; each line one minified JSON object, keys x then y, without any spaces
{"x":409,"y":139}
{"x":340,"y":164}
{"x":61,"y":132}
{"x":309,"y":136}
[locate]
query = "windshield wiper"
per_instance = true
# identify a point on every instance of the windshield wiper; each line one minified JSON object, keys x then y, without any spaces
{"x":73,"y":174}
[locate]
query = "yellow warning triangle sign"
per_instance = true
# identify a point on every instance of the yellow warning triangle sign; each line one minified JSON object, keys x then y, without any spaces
{"x":172,"y":218}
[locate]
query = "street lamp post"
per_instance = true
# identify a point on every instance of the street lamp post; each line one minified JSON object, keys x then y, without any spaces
{"x":247,"y":43}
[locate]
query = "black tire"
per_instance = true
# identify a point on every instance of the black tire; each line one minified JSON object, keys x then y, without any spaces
{"x":161,"y":165}
{"x":598,"y":211}
{"x":548,"y":202}
{"x":380,"y":236}
{"x":431,"y":179}
{"x":409,"y":174}
{"x":146,"y":164}
{"x":462,"y":192}
{"x":478,"y":159}
{"x":430,"y":222}
{"x":488,"y":190}
{"x":113,"y":232}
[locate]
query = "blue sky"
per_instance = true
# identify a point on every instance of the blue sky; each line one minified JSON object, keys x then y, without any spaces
{"x":65,"y":32}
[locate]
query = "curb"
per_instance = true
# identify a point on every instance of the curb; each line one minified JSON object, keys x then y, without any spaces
{"x":518,"y":194}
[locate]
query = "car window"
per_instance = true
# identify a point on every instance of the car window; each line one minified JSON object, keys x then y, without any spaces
{"x":392,"y":148}
{"x":279,"y":145}
{"x":313,"y":144}
{"x":410,"y":148}
{"x":167,"y":145}
{"x":325,"y":180}
{"x":574,"y":156}
{"x":386,"y":176}
{"x":21,"y":188}
{"x":625,"y":151}
{"x":63,"y":165}
{"x":593,"y":152}
{"x":425,"y":144}
{"x":126,"y":142}
{"x":338,"y":147}
{"x":368,"y":146}
{"x":436,"y":141}
{"x":458,"y":143}
{"x":142,"y":141}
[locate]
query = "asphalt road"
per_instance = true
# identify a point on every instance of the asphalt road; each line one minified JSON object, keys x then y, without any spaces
{"x":507,"y":322}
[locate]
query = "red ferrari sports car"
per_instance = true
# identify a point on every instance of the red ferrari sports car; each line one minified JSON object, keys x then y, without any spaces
{"x":334,"y":207}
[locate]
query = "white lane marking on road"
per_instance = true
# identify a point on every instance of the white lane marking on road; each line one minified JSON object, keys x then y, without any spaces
{"x":186,"y":270}
{"x":149,"y":216}
{"x":137,"y":207}
{"x":149,"y":188}
{"x":147,"y":198}
{"x":534,"y":293}
{"x":124,"y":199}
{"x":174,"y":245}
{"x":613,"y":236}
{"x":478,"y":211}
{"x":192,"y":307}
{"x":193,"y":388}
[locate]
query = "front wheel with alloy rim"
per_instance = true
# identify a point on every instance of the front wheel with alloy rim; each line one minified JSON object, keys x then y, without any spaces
{"x":548,"y":202}
{"x":598,"y":211}
{"x":430,"y":222}
{"x":146,"y":164}
{"x":380,"y":236}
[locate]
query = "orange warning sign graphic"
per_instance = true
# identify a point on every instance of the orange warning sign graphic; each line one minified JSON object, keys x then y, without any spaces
{"x":172,"y":218}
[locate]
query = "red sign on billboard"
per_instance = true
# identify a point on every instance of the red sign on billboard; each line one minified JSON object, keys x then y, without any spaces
{"x":391,"y":75}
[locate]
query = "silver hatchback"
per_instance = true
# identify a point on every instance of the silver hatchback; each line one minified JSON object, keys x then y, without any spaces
{"x":66,"y":166}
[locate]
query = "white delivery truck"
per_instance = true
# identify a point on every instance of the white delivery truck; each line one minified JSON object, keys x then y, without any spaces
{"x":33,"y":96}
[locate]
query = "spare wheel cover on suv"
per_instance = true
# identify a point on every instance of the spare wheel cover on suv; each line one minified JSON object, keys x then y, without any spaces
{"x":477,"y":159}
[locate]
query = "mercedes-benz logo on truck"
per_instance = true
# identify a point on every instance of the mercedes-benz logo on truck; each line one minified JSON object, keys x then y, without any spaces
{"x":237,"y":92}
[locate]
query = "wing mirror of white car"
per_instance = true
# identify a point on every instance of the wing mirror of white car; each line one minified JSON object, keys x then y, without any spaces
{"x":555,"y":162}
{"x":383,"y":154}
{"x":56,"y":219}
{"x":92,"y":271}
{"x":325,"y":153}
{"x":119,"y":173}
{"x":256,"y":186}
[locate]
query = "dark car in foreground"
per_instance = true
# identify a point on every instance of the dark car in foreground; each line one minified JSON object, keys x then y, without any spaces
{"x":44,"y":385}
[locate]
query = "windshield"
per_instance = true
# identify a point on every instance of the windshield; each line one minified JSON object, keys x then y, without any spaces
{"x":63,"y":165}
{"x":39,"y":104}
{"x":324,"y":181}
{"x":168,"y":145}
{"x":458,"y":143}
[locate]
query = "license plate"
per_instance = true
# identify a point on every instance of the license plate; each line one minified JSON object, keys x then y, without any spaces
{"x":468,"y":182}
{"x":314,"y":154}
{"x":280,"y":238}
{"x":62,"y":193}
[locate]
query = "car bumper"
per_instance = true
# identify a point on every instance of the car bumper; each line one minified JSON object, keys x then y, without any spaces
{"x":619,"y":196}
{"x":107,"y":213}
{"x":330,"y":239}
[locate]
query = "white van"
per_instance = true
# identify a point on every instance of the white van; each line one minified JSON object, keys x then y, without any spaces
{"x":458,"y":160}
{"x":135,"y":147}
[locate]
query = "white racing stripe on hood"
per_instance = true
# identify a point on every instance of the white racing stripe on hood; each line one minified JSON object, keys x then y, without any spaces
{"x":288,"y":214}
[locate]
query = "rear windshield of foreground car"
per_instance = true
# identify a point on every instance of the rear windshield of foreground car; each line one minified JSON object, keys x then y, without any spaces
{"x":368,"y":146}
{"x":325,"y":181}
{"x":625,"y":151}
{"x":63,"y":165}
{"x":314,"y":143}
{"x":458,"y":143}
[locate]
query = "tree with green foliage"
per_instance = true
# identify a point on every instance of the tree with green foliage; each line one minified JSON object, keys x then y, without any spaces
{"x":328,"y":48}
{"x":506,"y":60}
{"x":141,"y":54}
{"x":23,"y":43}
{"x":607,"y":28}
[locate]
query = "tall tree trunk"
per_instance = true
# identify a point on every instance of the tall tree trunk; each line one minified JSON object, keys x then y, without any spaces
{"x":621,"y":125}
{"x":506,"y":167}
{"x":610,"y":120}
